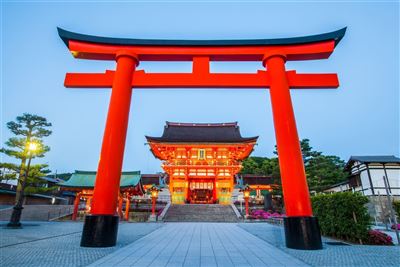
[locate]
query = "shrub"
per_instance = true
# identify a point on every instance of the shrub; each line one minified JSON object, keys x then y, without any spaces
{"x":378,"y":238}
{"x":396,"y":207}
{"x":342,"y":215}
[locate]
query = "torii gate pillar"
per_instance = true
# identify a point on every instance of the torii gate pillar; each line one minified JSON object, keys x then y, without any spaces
{"x":101,"y":226}
{"x":301,"y":228}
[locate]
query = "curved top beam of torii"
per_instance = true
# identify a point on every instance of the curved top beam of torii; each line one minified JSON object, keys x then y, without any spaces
{"x":297,"y":48}
{"x":201,"y":52}
{"x":67,"y":36}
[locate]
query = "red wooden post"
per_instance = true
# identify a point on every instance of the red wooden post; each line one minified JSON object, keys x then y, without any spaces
{"x":76,"y":206}
{"x":89,"y":203}
{"x":153,"y":206}
{"x":120,"y":203}
{"x":101,"y":227}
{"x":127,"y":207}
{"x":215,"y":191}
{"x":300,"y":226}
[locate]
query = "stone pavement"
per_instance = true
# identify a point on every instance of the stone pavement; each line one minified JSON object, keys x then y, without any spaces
{"x":45,"y":244}
{"x":49,"y":244}
{"x":332,"y":255}
{"x":199,"y":244}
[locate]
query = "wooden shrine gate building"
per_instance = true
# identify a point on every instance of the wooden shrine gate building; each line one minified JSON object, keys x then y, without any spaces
{"x":201,"y":160}
{"x":101,"y":226}
{"x":82,"y":183}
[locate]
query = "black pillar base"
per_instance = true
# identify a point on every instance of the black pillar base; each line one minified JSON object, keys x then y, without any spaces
{"x":302,"y":233}
{"x":100,"y":231}
{"x":12,"y":225}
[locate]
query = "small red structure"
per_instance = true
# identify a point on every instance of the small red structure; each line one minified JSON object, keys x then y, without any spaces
{"x":82,"y":183}
{"x":301,"y":228}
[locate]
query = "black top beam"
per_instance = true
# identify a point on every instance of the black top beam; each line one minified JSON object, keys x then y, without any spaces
{"x":335,"y":35}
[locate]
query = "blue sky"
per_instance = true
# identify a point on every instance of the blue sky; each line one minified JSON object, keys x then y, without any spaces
{"x":360,"y":118}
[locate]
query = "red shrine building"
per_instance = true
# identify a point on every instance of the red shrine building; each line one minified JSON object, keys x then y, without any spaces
{"x":201,"y":160}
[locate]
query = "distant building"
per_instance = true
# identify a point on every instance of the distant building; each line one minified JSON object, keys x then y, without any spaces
{"x":367,"y":175}
{"x":8,"y":190}
{"x":82,"y":184}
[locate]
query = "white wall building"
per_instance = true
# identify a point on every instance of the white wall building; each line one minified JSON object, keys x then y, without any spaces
{"x":367,"y":174}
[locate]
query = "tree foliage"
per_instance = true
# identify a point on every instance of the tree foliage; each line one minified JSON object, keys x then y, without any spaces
{"x":27,"y":129}
{"x":321,"y":170}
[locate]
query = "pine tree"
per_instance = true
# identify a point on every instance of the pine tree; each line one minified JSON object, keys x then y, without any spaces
{"x":24,"y":146}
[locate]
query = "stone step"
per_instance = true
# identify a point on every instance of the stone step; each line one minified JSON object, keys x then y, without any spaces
{"x":200,"y":213}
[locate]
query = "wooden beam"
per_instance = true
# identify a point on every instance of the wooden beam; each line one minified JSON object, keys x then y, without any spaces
{"x":202,"y":79}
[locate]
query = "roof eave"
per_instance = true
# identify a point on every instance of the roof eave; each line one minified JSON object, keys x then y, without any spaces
{"x":66,"y":36}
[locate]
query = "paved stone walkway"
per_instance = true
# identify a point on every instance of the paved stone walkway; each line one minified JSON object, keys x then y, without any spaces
{"x":49,"y":244}
{"x":199,"y":244}
{"x":332,"y":255}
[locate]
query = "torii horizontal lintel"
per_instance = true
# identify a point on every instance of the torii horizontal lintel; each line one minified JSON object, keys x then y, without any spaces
{"x":318,"y":46}
{"x":201,"y":80}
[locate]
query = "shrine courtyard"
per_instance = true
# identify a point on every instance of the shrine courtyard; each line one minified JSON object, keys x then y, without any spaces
{"x":180,"y":244}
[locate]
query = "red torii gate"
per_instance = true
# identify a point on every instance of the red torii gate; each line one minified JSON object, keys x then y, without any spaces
{"x":301,"y":228}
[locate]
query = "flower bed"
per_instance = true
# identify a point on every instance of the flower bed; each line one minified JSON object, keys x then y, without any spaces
{"x":261,"y":214}
{"x":394,"y":226}
{"x":376,"y":237}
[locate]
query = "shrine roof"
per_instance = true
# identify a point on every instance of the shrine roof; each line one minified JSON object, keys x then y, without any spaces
{"x":201,"y":133}
{"x":386,"y":159}
{"x":254,"y":179}
{"x":375,"y":159}
{"x":86,"y":179}
{"x":66,"y":36}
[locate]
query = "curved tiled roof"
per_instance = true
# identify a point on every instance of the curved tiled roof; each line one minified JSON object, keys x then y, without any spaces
{"x":375,"y":159}
{"x":86,"y":179}
{"x":175,"y":132}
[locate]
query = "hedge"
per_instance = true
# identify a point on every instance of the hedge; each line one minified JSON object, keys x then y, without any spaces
{"x":396,"y":207}
{"x":343,"y":215}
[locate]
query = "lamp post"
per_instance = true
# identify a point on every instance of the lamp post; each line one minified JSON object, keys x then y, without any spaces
{"x":246,"y":195}
{"x":154,"y":195}
{"x":17,"y":210}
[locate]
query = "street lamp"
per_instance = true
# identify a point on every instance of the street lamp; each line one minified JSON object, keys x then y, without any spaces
{"x":31,"y":148}
{"x":153,"y":190}
{"x":246,"y":195}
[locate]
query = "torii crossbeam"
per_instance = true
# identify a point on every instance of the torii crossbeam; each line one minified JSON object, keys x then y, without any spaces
{"x":301,"y":228}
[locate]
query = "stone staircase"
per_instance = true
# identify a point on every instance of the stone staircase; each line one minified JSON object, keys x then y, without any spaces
{"x":200,"y":213}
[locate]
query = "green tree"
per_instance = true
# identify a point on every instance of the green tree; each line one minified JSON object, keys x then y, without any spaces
{"x":249,"y":166}
{"x":33,"y":183}
{"x":321,"y":170}
{"x":24,"y":146}
{"x":8,"y":171}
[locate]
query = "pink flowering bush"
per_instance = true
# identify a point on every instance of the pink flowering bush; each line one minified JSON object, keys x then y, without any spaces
{"x":394,"y":226}
{"x":376,"y":237}
{"x":261,"y":214}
